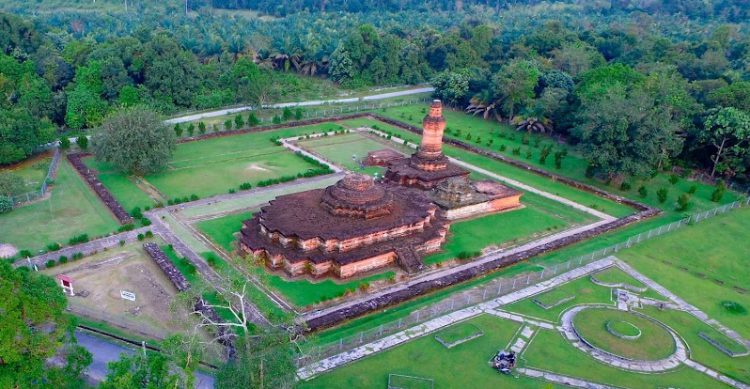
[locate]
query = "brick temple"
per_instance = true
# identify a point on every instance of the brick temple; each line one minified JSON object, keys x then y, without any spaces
{"x":352,"y":227}
{"x":359,"y":225}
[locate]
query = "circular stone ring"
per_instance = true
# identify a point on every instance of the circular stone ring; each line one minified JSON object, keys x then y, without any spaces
{"x":610,"y":326}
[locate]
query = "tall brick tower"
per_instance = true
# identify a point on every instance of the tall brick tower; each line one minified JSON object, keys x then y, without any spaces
{"x":428,"y":166}
{"x":433,"y":127}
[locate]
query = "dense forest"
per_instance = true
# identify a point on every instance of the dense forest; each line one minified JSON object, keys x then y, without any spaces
{"x":586,"y":71}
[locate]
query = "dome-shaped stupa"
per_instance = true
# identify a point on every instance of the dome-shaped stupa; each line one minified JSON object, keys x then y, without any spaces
{"x":356,"y":195}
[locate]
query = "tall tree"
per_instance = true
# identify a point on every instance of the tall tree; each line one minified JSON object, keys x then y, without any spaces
{"x":34,"y":327}
{"x":514,"y":86}
{"x":135,"y":140}
{"x":727,"y":130}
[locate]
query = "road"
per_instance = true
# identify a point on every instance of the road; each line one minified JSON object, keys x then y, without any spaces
{"x":308,"y":103}
{"x":103,"y":352}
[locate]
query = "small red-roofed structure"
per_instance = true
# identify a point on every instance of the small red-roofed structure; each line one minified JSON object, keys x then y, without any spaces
{"x":66,"y":283}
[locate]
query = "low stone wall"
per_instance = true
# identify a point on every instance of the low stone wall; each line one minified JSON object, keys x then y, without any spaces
{"x":178,"y":280}
{"x":89,"y":175}
{"x":225,"y":337}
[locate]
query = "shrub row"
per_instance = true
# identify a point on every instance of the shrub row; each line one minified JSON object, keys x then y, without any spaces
{"x":104,"y":194}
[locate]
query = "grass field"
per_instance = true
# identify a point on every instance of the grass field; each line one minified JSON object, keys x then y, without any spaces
{"x":507,"y":170}
{"x":32,"y":171}
{"x":654,"y":342}
{"x":71,"y":209}
{"x":212,"y":166}
{"x":463,"y":366}
{"x":346,"y":150}
{"x":574,"y":165}
{"x":550,"y":351}
{"x":582,"y":289}
{"x":457,"y":333}
{"x":707,"y":264}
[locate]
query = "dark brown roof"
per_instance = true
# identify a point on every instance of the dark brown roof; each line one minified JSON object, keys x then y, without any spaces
{"x":302,"y":215}
{"x":404,"y":168}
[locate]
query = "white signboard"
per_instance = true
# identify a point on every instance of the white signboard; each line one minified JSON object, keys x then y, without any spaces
{"x":127,"y":295}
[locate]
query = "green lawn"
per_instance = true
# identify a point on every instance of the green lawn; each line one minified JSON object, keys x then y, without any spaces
{"x":301,"y":292}
{"x":458,"y":332}
{"x":213,"y":166}
{"x":501,"y":229}
{"x":71,"y":209}
{"x":654,"y":343}
{"x":32,"y":171}
{"x":707,"y":263}
{"x":614,"y":276}
{"x":550,"y":351}
{"x":689,"y":327}
{"x":504,"y":169}
{"x":574,"y":165}
{"x":222,"y":230}
{"x":341,"y":150}
{"x":583,"y":290}
{"x":463,"y":366}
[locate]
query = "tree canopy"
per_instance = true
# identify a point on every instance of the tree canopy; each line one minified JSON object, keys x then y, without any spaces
{"x":134,"y":140}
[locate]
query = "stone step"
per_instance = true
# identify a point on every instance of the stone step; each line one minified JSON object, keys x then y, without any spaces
{"x":409,"y":260}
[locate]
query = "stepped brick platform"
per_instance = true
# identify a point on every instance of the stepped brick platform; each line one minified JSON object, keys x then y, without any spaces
{"x":349,"y":228}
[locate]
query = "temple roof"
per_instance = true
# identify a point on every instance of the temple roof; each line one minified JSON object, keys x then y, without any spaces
{"x":308,"y":214}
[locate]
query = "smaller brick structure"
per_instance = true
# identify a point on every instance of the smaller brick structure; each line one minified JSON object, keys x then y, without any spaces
{"x":382,"y":157}
{"x":461,"y":198}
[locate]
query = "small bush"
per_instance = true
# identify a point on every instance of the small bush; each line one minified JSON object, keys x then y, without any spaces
{"x":252,"y":120}
{"x":661,"y":194}
{"x":718,"y":193}
{"x":194,"y":197}
{"x":683,"y":202}
{"x":178,"y":130}
{"x":276,"y":120}
{"x":64,"y":143}
{"x":24,"y":253}
{"x":122,"y":243}
{"x":245,"y":186}
{"x":503,"y":147}
{"x":625,"y":186}
{"x":239,"y":122}
{"x":590,"y":170}
{"x":517,"y":151}
{"x":674,"y":179}
{"x":141,"y":237}
{"x":145,"y":222}
{"x":82,"y":142}
{"x":83,"y":238}
{"x":232,"y":191}
{"x":227,"y":125}
{"x":126,"y":227}
{"x":63,"y":259}
{"x":149,"y":234}
{"x":53,"y":246}
{"x":692,"y":189}
{"x":136,"y":213}
{"x":50,"y":263}
{"x":464,"y":255}
{"x":642,"y":191}
{"x":734,"y":307}
{"x":191,"y":129}
{"x":364,"y":286}
{"x":77,"y":256}
{"x":202,"y":127}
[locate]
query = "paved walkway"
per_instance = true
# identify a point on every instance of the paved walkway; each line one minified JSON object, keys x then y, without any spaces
{"x":682,"y":304}
{"x":562,"y":380}
{"x":679,"y":356}
{"x":308,"y":103}
{"x":388,"y":342}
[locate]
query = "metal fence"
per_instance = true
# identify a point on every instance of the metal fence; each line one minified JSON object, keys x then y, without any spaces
{"x":38,"y":194}
{"x":498,"y":287}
